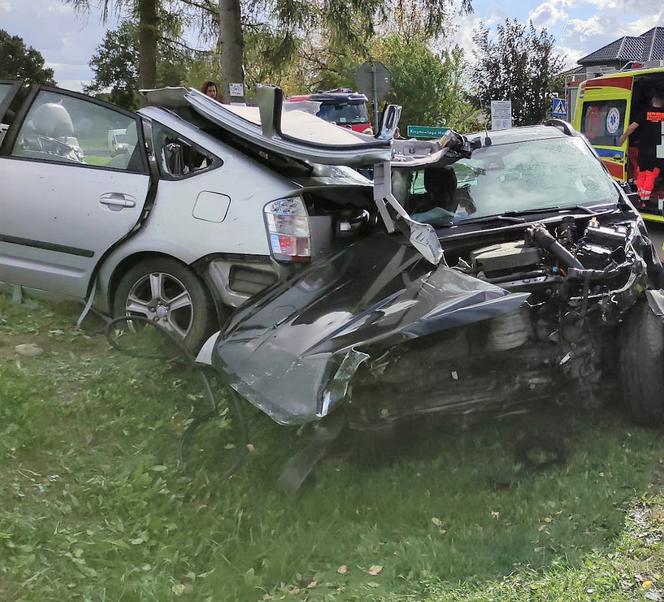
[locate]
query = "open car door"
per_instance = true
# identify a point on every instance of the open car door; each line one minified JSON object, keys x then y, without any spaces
{"x":67,"y":198}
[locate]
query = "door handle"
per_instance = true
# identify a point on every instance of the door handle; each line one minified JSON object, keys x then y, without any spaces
{"x":116,"y":201}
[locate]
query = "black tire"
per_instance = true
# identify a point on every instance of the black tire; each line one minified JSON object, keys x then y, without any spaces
{"x":642,"y":365}
{"x":192,"y":323}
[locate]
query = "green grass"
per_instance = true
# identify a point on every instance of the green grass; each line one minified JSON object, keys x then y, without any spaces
{"x":93,"y":505}
{"x":97,"y":160}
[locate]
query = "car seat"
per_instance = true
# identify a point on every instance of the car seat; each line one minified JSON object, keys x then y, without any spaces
{"x":441,"y":184}
{"x":131,"y":160}
{"x":439,"y":205}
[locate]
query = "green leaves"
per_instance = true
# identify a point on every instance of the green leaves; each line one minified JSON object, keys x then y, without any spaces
{"x":519,"y":64}
{"x":21,"y":62}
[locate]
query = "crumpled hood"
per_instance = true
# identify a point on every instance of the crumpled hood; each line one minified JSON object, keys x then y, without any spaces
{"x":293,"y":351}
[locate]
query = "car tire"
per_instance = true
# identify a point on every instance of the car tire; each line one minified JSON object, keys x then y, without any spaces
{"x":169,"y":293}
{"x":641,"y":361}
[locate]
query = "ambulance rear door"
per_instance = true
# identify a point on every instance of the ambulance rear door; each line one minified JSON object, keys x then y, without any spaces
{"x":604,"y":116}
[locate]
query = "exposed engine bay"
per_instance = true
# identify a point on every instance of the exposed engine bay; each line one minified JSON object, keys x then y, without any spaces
{"x":581,"y":263}
{"x":582,"y":276}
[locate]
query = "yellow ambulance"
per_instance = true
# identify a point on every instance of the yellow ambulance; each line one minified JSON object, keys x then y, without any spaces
{"x":605,"y":107}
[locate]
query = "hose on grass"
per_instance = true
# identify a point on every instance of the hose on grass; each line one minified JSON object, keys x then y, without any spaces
{"x":186,"y":358}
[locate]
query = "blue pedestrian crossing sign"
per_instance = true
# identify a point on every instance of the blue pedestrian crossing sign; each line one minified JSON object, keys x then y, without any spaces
{"x":559,"y":108}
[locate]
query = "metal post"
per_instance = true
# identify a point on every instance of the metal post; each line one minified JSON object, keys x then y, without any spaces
{"x":375,"y":97}
{"x":17,"y":294}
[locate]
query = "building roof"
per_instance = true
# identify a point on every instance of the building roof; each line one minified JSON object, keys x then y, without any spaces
{"x":649,"y":46}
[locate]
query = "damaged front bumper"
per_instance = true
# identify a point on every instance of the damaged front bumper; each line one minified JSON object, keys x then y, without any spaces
{"x":294,"y":351}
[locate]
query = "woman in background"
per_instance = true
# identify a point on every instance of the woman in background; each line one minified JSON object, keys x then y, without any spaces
{"x":209,"y":88}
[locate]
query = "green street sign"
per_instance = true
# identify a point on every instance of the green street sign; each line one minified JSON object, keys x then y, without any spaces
{"x":425,"y":131}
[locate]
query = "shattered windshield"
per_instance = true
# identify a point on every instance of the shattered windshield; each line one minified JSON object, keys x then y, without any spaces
{"x":344,"y":113}
{"x":522,"y":176}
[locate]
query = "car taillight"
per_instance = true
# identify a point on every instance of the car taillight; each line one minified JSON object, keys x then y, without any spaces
{"x":287,"y":223}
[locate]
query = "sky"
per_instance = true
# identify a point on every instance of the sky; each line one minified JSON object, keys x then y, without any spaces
{"x":68,"y":39}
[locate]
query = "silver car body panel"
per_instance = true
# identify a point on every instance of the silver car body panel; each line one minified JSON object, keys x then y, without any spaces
{"x":302,"y":136}
{"x":171,"y":228}
{"x":40,"y":203}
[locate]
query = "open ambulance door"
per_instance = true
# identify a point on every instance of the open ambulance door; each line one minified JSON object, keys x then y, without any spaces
{"x":605,"y":111}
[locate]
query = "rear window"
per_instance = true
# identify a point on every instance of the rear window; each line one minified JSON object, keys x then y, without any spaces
{"x":603,"y":122}
{"x":178,"y":158}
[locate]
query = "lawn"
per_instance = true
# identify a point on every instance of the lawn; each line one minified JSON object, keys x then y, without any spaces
{"x":94,"y":506}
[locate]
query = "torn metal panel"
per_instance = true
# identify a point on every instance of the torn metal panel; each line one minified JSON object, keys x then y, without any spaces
{"x":422,"y":236}
{"x":337,"y":388}
{"x":299,"y":134}
{"x":656,"y":302}
{"x":293,"y":353}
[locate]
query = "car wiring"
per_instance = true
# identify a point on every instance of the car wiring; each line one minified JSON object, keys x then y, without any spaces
{"x":186,"y":358}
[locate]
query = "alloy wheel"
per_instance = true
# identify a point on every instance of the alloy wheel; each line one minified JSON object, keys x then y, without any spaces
{"x":163,"y":299}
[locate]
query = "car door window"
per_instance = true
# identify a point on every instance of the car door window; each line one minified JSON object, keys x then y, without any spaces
{"x":178,"y":157}
{"x":66,"y":129}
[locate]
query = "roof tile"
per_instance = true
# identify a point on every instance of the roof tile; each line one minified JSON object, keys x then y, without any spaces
{"x":649,"y":46}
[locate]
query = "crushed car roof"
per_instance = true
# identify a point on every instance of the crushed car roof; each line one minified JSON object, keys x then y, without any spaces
{"x":520,"y":134}
{"x":280,"y":127}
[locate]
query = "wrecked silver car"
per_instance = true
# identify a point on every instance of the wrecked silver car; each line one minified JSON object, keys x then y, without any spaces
{"x":544,"y":285}
{"x":178,"y":213}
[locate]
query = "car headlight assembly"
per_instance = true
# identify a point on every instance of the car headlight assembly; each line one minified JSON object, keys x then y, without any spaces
{"x":287,"y":223}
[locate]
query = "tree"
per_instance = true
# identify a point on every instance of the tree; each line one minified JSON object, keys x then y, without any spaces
{"x":351,"y":23}
{"x":116,"y":66}
{"x":148,"y":13}
{"x":21,"y":62}
{"x":520,"y":65}
{"x":148,"y":35}
{"x":428,"y":84}
{"x":231,"y":45}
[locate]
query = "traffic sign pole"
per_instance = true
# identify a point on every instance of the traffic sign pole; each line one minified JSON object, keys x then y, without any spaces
{"x":374,"y":79}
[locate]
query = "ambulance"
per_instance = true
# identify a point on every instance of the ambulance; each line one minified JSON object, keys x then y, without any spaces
{"x":605,"y":107}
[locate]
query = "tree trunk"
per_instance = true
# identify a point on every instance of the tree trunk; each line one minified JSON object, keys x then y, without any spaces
{"x":232,"y":48}
{"x":148,"y":30}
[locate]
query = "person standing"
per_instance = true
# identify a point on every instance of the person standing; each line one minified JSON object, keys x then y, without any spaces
{"x":209,"y":88}
{"x":650,"y":126}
